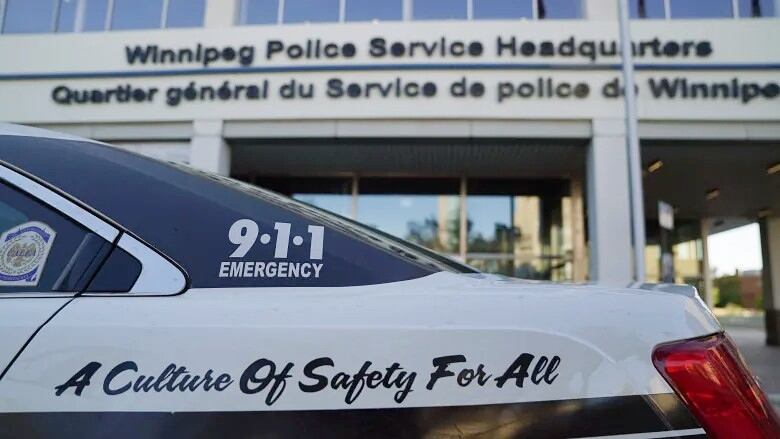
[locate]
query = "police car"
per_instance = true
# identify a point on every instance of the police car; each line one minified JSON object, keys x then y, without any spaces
{"x":145,"y":299}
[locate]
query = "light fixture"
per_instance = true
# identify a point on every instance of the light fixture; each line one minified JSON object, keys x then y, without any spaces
{"x":773,"y":168}
{"x":712,"y":194}
{"x":654,"y":166}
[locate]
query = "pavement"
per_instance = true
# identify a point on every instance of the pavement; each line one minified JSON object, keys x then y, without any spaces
{"x":763,"y":360}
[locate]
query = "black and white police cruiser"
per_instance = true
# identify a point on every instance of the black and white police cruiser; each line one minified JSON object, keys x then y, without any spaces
{"x":145,"y":299}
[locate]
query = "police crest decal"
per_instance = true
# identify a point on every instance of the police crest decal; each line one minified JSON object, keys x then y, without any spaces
{"x":23,"y":253}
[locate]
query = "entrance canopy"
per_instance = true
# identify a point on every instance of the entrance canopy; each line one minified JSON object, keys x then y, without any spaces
{"x":724,"y":181}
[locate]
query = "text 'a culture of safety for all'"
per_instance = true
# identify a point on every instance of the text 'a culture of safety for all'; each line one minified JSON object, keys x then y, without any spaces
{"x":270,"y":378}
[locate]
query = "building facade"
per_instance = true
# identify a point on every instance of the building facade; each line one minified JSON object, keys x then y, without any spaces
{"x":490,"y":130}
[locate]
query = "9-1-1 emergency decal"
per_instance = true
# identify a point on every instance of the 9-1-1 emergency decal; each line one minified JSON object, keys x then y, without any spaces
{"x":271,"y":380}
{"x":245,"y":234}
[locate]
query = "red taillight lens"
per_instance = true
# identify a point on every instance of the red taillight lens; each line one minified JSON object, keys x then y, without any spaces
{"x":712,"y":379}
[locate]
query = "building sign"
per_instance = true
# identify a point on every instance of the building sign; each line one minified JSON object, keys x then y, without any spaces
{"x":389,"y":70}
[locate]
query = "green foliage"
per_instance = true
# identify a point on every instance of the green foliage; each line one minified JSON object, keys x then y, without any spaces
{"x":728,"y":288}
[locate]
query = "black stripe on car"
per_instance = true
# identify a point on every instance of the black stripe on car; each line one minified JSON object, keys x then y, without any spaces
{"x":545,"y":419}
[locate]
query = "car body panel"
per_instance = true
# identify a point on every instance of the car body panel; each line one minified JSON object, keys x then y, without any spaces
{"x":19,"y":319}
{"x":488,"y":320}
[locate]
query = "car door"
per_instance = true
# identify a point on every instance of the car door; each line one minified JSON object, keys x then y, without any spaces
{"x":49,"y":249}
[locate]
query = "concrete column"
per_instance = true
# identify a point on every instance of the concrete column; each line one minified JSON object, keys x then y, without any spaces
{"x":707,"y":283}
{"x":600,"y":9}
{"x":609,"y":215}
{"x":464,"y":221}
{"x":770,"y":251}
{"x":208,"y":149}
{"x":221,"y":13}
{"x":355,"y":194}
{"x":579,"y":263}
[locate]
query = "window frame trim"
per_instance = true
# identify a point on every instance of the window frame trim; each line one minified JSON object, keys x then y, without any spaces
{"x":59,"y":203}
{"x":158,"y":272}
{"x":2,"y":15}
{"x":160,"y":275}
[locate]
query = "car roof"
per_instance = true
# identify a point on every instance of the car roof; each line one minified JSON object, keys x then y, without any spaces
{"x":12,"y":129}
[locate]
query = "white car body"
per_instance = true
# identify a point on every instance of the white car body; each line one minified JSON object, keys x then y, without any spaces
{"x":426,"y":355}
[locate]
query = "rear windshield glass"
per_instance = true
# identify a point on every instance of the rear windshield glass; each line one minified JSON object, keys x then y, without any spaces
{"x":223,"y":232}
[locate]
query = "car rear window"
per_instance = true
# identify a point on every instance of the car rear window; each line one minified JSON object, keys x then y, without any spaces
{"x":223,"y":232}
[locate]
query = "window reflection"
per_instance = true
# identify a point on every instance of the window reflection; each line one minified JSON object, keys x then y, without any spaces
{"x":369,"y":10}
{"x":517,"y":230}
{"x":432,"y":221}
{"x":259,"y":11}
{"x":136,"y":14}
{"x":66,"y":19}
{"x":646,"y":9}
{"x":185,"y":13}
{"x":503,"y":9}
{"x":701,"y":9}
{"x":424,"y":211}
{"x":95,"y":12}
{"x":313,"y":11}
{"x":28,"y":16}
{"x":439,"y":9}
{"x":559,"y":9}
{"x":756,"y":8}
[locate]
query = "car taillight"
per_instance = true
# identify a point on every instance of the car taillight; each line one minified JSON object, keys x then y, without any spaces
{"x":710,"y":376}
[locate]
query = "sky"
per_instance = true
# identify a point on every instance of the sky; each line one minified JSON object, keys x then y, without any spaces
{"x":738,"y":248}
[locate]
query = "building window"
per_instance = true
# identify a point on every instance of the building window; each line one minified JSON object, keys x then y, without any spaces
{"x":66,"y":16}
{"x":688,"y":9}
{"x":29,"y":16}
{"x":647,"y":9}
{"x":503,"y":9}
{"x":95,"y":15}
{"x":514,"y":227}
{"x":756,"y":8}
{"x":517,"y":229}
{"x":701,"y":9}
{"x":185,"y":13}
{"x":440,"y":9}
{"x":43,"y":16}
{"x":259,"y":12}
{"x":559,"y":9}
{"x":370,"y":10}
{"x":311,"y":11}
{"x":137,"y":14}
{"x":423,"y":211}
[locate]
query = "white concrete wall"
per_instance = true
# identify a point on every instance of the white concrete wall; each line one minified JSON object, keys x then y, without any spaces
{"x":178,"y":152}
{"x":208,"y":149}
{"x":96,"y":63}
{"x":599,"y":9}
{"x":609,"y":216}
{"x":220,"y":13}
